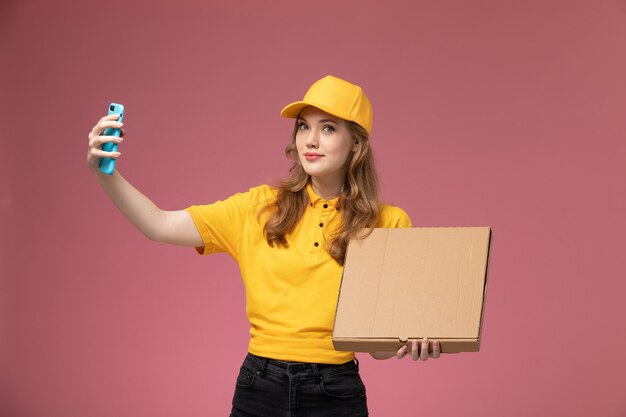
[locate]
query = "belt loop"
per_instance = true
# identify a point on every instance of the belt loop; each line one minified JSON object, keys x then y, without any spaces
{"x":263,"y":365}
{"x":316,"y":370}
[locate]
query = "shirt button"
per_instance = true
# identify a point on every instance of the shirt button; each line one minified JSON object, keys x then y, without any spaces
{"x":321,"y":224}
{"x":325,"y":205}
{"x":311,"y":204}
{"x":316,"y":244}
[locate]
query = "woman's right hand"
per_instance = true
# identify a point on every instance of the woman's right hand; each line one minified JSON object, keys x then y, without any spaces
{"x":94,"y":151}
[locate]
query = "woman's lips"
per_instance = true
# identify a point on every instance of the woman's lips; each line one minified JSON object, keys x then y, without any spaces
{"x":312,"y":156}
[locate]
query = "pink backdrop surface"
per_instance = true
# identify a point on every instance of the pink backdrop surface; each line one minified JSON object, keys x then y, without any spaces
{"x":501,"y":113}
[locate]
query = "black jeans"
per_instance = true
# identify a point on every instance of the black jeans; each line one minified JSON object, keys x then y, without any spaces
{"x":272,"y":388}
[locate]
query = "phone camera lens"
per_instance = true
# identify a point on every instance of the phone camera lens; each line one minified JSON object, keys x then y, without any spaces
{"x":112,"y":108}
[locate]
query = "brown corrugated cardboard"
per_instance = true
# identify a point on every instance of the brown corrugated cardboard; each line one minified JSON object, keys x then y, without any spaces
{"x":404,"y":284}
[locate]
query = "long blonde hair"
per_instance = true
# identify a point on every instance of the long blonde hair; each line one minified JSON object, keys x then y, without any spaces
{"x":358,"y":202}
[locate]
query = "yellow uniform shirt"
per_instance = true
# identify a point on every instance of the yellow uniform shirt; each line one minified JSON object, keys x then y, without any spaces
{"x":291,"y":292}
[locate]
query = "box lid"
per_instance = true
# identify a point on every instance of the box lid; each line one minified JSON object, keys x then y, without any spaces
{"x":414,"y":282}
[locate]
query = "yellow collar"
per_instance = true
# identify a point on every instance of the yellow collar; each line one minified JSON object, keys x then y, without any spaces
{"x":316,"y":201}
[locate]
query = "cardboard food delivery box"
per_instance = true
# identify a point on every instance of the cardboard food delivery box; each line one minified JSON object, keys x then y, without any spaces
{"x":404,"y":284}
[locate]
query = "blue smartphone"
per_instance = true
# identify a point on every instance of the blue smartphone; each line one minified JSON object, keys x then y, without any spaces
{"x":107,"y":165}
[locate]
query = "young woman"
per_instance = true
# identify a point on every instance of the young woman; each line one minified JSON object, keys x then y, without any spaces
{"x":290,"y":243}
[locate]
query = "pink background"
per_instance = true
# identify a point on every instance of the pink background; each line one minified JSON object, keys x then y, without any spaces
{"x":501,"y":113}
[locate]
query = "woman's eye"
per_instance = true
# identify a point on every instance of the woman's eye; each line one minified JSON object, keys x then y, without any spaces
{"x":302,"y":126}
{"x":329,"y":129}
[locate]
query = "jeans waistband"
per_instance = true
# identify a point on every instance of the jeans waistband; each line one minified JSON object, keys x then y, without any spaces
{"x":260,"y":364}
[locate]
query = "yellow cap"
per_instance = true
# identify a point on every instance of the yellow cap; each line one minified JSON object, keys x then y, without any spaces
{"x":337,"y":97}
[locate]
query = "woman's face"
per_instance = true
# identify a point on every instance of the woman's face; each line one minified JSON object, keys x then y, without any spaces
{"x":324,"y":143}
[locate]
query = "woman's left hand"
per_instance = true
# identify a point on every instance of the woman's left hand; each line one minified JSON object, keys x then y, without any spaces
{"x":422,"y":351}
{"x":419,"y":351}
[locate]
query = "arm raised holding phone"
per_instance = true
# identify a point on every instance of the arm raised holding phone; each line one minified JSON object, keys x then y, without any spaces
{"x":173,"y":227}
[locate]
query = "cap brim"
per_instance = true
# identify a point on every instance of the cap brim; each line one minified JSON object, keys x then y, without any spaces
{"x":293,"y":110}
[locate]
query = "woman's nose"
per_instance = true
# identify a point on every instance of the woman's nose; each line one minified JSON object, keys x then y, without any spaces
{"x":312,"y":139}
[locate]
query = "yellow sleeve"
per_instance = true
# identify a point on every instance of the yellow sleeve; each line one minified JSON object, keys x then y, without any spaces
{"x":222,"y":223}
{"x":393,"y":217}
